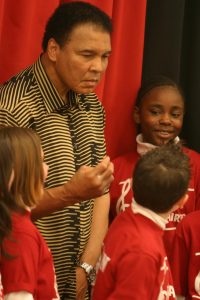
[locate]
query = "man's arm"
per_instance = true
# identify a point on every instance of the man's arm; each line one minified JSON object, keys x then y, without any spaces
{"x":92,"y":250}
{"x":87,"y":183}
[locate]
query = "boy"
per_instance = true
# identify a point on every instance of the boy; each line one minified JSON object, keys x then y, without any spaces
{"x":134,"y":263}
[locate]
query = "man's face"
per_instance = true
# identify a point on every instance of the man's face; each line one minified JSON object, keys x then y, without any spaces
{"x":80,"y":63}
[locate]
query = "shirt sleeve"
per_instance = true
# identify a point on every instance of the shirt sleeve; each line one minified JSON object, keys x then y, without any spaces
{"x":19,"y":296}
{"x":180,"y":263}
{"x":19,"y":270}
{"x":7,"y":119}
{"x":196,"y":176}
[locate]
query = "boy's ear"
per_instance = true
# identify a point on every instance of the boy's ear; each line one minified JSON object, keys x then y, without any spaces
{"x":136,"y":115}
{"x":182,"y":201}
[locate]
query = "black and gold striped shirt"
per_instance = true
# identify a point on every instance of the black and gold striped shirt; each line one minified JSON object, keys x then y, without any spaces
{"x":72,"y":135}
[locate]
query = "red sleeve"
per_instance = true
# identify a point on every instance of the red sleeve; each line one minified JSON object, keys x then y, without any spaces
{"x":180,"y":263}
{"x":195,"y":175}
{"x":1,"y":289}
{"x":19,"y":272}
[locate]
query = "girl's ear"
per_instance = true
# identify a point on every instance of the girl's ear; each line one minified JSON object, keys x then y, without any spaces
{"x":136,"y":115}
{"x":183,"y":200}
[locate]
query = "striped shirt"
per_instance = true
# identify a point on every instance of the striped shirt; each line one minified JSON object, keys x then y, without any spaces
{"x":72,"y":135}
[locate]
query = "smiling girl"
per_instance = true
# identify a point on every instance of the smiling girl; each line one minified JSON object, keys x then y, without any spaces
{"x":158,"y":113}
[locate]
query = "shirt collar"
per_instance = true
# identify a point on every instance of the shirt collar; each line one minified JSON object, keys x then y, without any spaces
{"x":138,"y":209}
{"x":143,"y":147}
{"x":52,"y":100}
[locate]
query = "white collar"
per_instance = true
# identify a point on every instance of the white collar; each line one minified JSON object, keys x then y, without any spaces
{"x":138,"y":209}
{"x":143,"y":148}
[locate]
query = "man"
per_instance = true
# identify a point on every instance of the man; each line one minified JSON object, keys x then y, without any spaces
{"x":55,"y":97}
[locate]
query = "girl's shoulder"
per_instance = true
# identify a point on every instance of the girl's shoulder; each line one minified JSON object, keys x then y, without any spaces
{"x":130,"y":157}
{"x":193,"y":155}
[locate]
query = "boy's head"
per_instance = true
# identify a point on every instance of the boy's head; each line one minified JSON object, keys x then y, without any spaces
{"x":159,"y":110}
{"x":161,"y":178}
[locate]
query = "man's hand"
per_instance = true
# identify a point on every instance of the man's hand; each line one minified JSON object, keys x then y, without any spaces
{"x":81,"y":284}
{"x":87,"y":183}
{"x":91,"y":182}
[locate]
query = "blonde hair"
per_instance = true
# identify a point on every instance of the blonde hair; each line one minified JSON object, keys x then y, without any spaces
{"x":24,"y":144}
